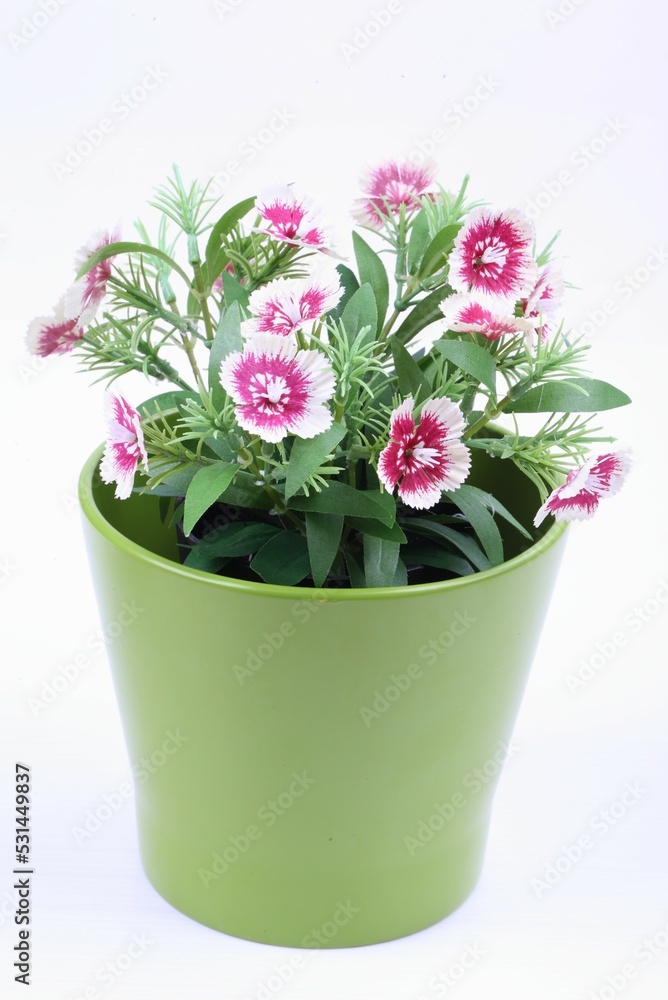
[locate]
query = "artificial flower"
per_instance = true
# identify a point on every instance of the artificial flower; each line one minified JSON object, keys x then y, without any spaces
{"x":426,"y":458}
{"x":278,"y":388}
{"x":53,"y":334}
{"x":544,"y":300}
{"x":125,"y":447}
{"x":84,"y":297}
{"x":287,"y":304}
{"x":492,"y":255}
{"x":292,"y":220}
{"x":578,"y":498}
{"x":390,"y":185}
{"x":466,"y":313}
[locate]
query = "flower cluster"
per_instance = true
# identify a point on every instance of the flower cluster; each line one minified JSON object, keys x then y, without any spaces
{"x":330,"y":416}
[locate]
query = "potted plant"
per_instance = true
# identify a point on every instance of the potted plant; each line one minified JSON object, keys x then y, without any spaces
{"x":339,"y":540}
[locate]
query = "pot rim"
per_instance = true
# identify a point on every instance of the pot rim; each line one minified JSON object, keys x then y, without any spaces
{"x":273,"y":590}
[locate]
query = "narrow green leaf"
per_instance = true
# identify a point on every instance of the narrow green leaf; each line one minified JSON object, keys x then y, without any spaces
{"x":423,"y":554}
{"x":283,"y":559}
{"x":206,"y":486}
{"x":380,"y":561}
{"x":400,"y":575}
{"x":165,"y":402}
{"x":323,"y":535}
{"x":412,"y":380}
{"x":482,"y":522}
{"x":360,"y":311}
{"x":465,"y":544}
{"x":435,"y":255}
{"x":422,"y":315}
{"x":355,"y":571}
{"x":339,"y":498}
{"x":575,"y":395}
{"x":222,"y":228}
{"x":350,"y":285}
{"x":115,"y":249}
{"x":471,"y":358}
{"x":307,"y":455}
{"x":368,"y":526}
{"x":493,"y":505}
{"x":233,"y":291}
{"x":372,"y":270}
{"x":418,"y":241}
{"x":227,"y":340}
{"x":230,"y":541}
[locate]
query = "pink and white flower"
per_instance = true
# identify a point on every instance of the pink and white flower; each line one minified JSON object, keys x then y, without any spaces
{"x":288,"y":304}
{"x":585,"y":487}
{"x":279,"y":389}
{"x":125,"y":447}
{"x":426,"y":458}
{"x":292,"y":220}
{"x":492,"y":255}
{"x":466,"y":313}
{"x":544,"y":301}
{"x":53,"y":334}
{"x":84,"y":297}
{"x":390,"y":185}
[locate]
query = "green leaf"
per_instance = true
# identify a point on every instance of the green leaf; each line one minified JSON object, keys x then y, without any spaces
{"x":465,"y":544}
{"x":493,"y":505}
{"x":476,"y":513}
{"x":323,"y":535}
{"x":307,"y":455}
{"x":412,"y":380}
{"x":471,"y":358}
{"x":233,"y":291}
{"x":372,"y":270}
{"x":434,"y":256}
{"x":339,"y":498}
{"x":401,"y":575}
{"x":244,"y":492}
{"x":360,"y":311}
{"x":355,"y":571}
{"x":206,"y":486}
{"x":367,"y":526}
{"x":227,"y":340}
{"x":380,"y":561}
{"x":283,"y":559}
{"x":422,"y":315}
{"x":575,"y":395}
{"x":350,"y":285}
{"x":165,"y":402}
{"x":423,"y":554}
{"x":223,"y":228}
{"x":418,"y":241}
{"x":115,"y":249}
{"x":228,"y":542}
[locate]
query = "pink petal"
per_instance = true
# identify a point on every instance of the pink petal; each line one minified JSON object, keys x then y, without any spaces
{"x":578,"y":498}
{"x":465,"y":313}
{"x":390,"y":185}
{"x":492,"y":255}
{"x":55,"y":334}
{"x":125,"y":447}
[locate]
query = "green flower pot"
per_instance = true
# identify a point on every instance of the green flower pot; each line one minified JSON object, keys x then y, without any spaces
{"x":314,"y":768}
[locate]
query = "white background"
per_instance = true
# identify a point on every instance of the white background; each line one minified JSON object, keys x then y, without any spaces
{"x":515,"y":96}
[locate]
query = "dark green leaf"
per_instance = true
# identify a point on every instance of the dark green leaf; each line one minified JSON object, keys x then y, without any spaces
{"x":115,"y":249}
{"x":476,"y":513}
{"x":493,"y":505}
{"x":367,"y":526}
{"x":401,"y":575}
{"x":422,"y":314}
{"x":568,"y":397}
{"x":339,"y":498}
{"x":423,"y":554}
{"x":412,"y":380}
{"x":307,"y":455}
{"x":230,"y":541}
{"x":227,"y":340}
{"x":465,"y":544}
{"x":380,"y":561}
{"x":350,"y":285}
{"x":223,"y":228}
{"x":372,"y":270}
{"x":323,"y":535}
{"x":206,"y":486}
{"x":435,"y":255}
{"x":283,"y":559}
{"x":471,"y":358}
{"x":355,"y":571}
{"x":418,"y":241}
{"x":360,"y":311}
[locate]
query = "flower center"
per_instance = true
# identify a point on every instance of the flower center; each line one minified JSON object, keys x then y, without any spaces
{"x":270,"y":391}
{"x":490,"y":252}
